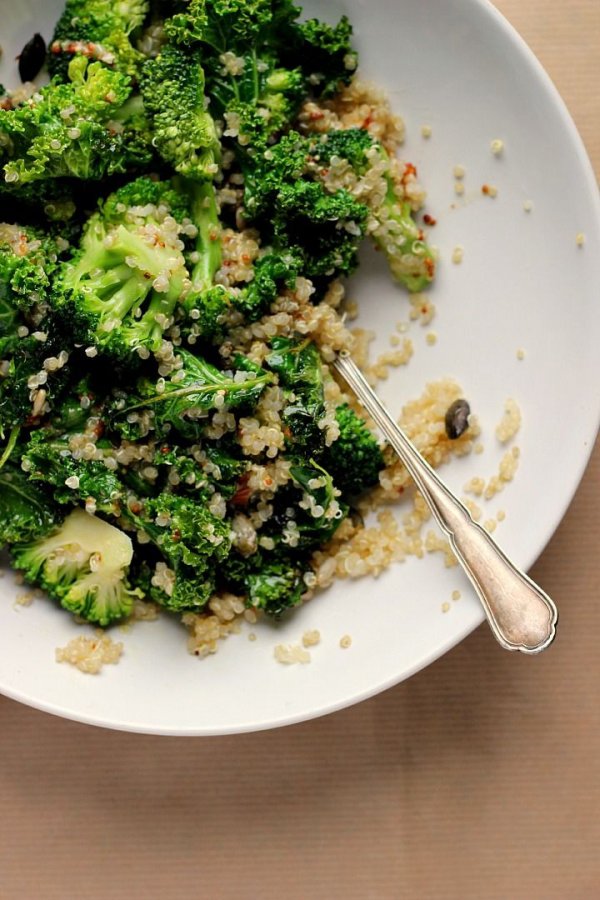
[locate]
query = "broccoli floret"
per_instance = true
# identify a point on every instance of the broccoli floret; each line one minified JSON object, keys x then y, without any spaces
{"x":275,"y":588}
{"x":272,"y":273}
{"x":208,"y":314}
{"x":391,"y":224}
{"x":355,"y":459}
{"x":207,"y":253}
{"x":184,"y":132}
{"x":98,"y":29}
{"x":298,"y":364}
{"x":27,"y":510}
{"x":210,"y":310}
{"x":82,"y":565}
{"x":28,"y":258}
{"x":215,"y":309}
{"x":73,"y":130}
{"x":120,"y":290}
{"x":184,"y":400}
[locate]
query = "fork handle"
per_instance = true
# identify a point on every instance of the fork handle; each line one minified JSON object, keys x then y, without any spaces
{"x":521,"y":615}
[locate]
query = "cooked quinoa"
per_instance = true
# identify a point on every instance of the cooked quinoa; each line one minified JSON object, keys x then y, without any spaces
{"x":291,"y":654}
{"x":210,"y":461}
{"x":510,"y":422}
{"x":90,"y":654}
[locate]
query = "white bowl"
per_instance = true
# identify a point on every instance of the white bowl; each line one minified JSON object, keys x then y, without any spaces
{"x":457,"y":66}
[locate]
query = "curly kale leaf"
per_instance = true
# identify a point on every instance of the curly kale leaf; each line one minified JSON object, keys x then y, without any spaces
{"x":185,"y":399}
{"x":26,"y":510}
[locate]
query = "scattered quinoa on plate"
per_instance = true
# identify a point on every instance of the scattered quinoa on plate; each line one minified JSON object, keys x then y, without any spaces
{"x":192,"y":195}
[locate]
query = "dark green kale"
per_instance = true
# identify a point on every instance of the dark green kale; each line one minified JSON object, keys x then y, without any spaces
{"x":392,"y":226}
{"x":243,"y":47}
{"x":72,"y":479}
{"x":298,"y":364}
{"x":297,"y":214}
{"x":191,"y":541}
{"x":85,"y":129}
{"x":27,"y":510}
{"x":184,"y":400}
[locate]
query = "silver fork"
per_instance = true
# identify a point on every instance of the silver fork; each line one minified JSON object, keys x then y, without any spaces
{"x":521,"y":616}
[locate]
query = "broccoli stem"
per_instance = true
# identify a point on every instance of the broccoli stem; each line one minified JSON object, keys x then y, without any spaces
{"x":409,"y":238}
{"x":148,"y":329}
{"x":10,"y":446}
{"x":205,"y":216}
{"x":112,"y":279}
{"x":127,"y":298}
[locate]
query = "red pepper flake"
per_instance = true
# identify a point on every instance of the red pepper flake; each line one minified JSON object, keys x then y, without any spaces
{"x":409,"y":170}
{"x":430,"y":266}
{"x":164,"y":449}
{"x":485,"y":188}
{"x":176,"y":534}
{"x":243,"y":492}
{"x":429,"y":220}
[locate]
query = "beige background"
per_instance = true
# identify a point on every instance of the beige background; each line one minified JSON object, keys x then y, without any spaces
{"x":478,"y":778}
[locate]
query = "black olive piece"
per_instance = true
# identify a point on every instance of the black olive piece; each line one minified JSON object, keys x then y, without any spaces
{"x":32,"y":58}
{"x":457,"y":419}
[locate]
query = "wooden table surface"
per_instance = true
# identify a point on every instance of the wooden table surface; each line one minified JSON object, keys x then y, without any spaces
{"x":478,"y":778}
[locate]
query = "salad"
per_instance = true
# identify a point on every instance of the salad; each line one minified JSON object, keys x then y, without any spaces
{"x":192,"y":187}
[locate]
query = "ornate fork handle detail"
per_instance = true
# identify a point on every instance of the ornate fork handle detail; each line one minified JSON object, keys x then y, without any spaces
{"x":521,"y":616}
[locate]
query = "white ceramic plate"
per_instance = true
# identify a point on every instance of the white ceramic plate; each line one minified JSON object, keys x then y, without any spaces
{"x":457,"y":66}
